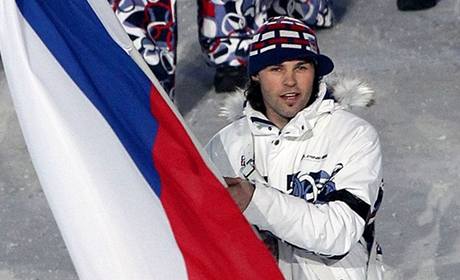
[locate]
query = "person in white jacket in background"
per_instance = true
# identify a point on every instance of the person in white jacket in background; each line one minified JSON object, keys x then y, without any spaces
{"x":305,"y":172}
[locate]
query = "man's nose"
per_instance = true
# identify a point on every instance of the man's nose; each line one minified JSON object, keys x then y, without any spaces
{"x":289,"y":78}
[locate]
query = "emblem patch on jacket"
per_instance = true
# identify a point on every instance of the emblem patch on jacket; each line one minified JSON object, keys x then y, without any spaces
{"x":314,"y":186}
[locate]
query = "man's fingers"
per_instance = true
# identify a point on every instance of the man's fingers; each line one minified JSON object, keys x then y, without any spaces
{"x":232,"y":181}
{"x":241,"y":192}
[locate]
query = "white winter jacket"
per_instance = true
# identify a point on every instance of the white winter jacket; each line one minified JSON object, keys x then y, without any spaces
{"x":318,"y":185}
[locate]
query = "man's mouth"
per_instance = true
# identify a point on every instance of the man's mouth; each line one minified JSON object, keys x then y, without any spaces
{"x":290,"y":96}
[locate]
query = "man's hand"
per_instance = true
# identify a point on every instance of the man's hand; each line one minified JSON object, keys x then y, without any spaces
{"x":240,"y":190}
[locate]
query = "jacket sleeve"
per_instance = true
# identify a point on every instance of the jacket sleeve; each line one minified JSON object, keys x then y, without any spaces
{"x":219,"y":156}
{"x":330,"y":228}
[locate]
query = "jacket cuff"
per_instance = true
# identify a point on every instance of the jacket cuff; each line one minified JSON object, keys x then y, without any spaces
{"x":259,"y":206}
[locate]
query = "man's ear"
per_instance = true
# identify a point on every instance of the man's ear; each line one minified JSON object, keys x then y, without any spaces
{"x":255,"y":78}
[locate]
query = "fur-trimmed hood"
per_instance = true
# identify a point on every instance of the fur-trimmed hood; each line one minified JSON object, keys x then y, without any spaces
{"x":347,"y":92}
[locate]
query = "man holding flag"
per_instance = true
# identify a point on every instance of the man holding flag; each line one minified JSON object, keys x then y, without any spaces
{"x":304,"y":171}
{"x":106,"y":142}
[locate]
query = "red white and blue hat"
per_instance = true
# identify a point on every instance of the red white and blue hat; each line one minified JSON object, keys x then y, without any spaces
{"x":281,"y":39}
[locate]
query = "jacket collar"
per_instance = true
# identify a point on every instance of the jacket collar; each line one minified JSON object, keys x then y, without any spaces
{"x":300,"y":125}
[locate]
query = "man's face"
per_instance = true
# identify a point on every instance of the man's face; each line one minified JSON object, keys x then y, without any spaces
{"x":286,"y":89}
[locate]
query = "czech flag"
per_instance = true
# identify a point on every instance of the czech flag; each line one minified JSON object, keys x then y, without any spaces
{"x":132,"y":194}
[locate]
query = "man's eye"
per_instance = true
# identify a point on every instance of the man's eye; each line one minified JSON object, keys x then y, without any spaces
{"x":275,"y":69}
{"x":303,"y":67}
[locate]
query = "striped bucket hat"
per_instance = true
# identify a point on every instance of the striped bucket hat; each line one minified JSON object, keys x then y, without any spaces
{"x":281,"y":39}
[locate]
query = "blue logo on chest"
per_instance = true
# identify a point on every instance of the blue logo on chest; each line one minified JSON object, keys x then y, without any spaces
{"x":313,"y":186}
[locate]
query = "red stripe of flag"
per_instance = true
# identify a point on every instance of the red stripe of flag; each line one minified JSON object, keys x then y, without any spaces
{"x":213,"y":236}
